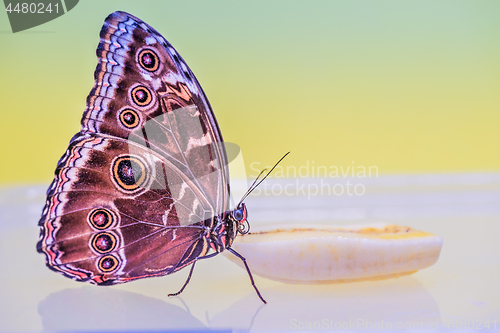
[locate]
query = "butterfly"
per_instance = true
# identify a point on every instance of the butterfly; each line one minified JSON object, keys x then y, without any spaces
{"x":143,"y":188}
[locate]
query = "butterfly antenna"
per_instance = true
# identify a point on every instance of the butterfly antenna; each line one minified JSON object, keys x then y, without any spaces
{"x":250,"y":189}
{"x":254,"y":186}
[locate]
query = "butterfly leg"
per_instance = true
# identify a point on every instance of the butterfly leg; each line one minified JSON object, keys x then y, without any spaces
{"x":248,"y":271}
{"x":191,"y":272}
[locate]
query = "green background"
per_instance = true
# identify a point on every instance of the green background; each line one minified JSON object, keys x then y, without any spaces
{"x":406,"y":86}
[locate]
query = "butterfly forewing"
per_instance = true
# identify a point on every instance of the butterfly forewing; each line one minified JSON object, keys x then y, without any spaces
{"x":134,"y":98}
{"x":143,"y":181}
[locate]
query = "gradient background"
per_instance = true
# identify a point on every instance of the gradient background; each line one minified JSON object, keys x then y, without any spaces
{"x":407,"y":86}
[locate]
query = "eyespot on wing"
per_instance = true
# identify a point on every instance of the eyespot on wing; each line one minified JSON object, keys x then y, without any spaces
{"x":323,"y":254}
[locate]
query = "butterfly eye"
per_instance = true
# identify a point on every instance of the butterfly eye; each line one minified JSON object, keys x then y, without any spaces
{"x":238,"y":214}
{"x":149,"y":60}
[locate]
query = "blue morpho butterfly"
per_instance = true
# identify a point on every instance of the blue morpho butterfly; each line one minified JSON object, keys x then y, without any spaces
{"x":143,"y":188}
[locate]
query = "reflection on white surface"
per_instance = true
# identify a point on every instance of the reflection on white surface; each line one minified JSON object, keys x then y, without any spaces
{"x":361,"y":305}
{"x":89,"y":308}
{"x":460,"y":289}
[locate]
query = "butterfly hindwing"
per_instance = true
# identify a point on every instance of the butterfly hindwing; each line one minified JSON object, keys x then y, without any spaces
{"x":95,"y":211}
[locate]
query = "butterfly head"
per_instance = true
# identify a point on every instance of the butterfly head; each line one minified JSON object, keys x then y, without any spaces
{"x":240,"y":216}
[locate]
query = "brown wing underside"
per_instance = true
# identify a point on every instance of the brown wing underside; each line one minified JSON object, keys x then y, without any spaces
{"x":107,"y":224}
{"x":138,"y":186}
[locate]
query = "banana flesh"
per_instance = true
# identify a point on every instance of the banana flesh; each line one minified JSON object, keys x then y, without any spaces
{"x":316,"y":255}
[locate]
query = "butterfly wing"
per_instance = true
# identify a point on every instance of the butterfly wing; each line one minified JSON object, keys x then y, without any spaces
{"x":145,"y":91}
{"x":140,"y":185}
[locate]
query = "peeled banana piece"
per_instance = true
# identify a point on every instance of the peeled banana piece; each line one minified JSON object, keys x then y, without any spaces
{"x":315,"y":255}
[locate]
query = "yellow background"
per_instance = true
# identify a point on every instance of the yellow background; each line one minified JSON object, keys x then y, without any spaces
{"x":406,"y":86}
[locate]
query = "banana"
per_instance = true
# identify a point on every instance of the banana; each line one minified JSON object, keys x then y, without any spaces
{"x":323,"y":254}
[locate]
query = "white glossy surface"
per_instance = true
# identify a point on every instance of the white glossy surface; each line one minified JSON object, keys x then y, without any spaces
{"x":461,"y":288}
